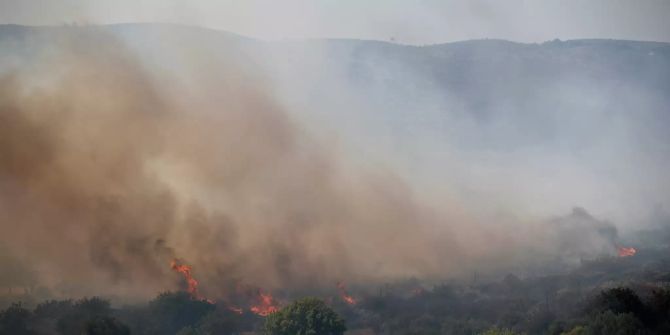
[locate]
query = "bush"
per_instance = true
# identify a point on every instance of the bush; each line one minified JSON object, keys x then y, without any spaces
{"x":610,"y":323}
{"x":75,"y":319}
{"x":14,"y":321}
{"x":659,"y":305}
{"x":618,"y":300}
{"x":106,"y":326}
{"x":309,"y":316}
{"x":499,"y":331}
{"x":170,"y":312}
{"x":578,"y":330}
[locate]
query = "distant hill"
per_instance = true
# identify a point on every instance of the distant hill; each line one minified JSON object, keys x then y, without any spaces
{"x":514,"y":93}
{"x":593,"y":105}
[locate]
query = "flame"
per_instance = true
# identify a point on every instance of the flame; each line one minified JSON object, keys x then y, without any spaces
{"x":626,"y":252}
{"x":185,"y":271}
{"x":266,"y":305}
{"x":343,"y":294}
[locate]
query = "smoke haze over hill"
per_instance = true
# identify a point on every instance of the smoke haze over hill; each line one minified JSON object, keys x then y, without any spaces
{"x":300,"y":164}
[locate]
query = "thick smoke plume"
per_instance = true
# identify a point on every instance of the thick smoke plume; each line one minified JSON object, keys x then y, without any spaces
{"x":108,"y":172}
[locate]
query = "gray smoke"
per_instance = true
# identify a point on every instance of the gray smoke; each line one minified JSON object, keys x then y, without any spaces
{"x":111,"y":165}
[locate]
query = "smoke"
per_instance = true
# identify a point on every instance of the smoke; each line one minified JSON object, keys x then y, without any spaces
{"x":75,"y":138}
{"x":110,"y":167}
{"x":107,"y":174}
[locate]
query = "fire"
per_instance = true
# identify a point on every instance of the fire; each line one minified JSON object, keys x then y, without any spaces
{"x":266,"y":305}
{"x":343,"y":294}
{"x":186,"y":271}
{"x":626,"y":252}
{"x":349,"y":299}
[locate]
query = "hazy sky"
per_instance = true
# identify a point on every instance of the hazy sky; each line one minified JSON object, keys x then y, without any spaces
{"x":406,"y":21}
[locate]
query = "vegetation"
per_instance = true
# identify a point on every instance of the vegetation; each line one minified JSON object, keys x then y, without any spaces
{"x":498,"y":331}
{"x":442,"y":310}
{"x":15,"y":320}
{"x":106,"y":326}
{"x":308,"y":316}
{"x":613,"y":296}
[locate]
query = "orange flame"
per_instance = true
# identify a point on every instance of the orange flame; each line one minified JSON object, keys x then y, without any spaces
{"x":626,"y":252}
{"x":185,"y":271}
{"x":266,"y":305}
{"x":343,"y":294}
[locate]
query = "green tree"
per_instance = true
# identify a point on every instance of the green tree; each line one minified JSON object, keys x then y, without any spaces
{"x":47,"y":314}
{"x":308,"y":316}
{"x":170,"y":312}
{"x":188,"y":330}
{"x":53,"y":309}
{"x":221,"y":321}
{"x":499,"y":331}
{"x":84,"y":310}
{"x":618,"y":300}
{"x":15,"y":320}
{"x":578,"y":330}
{"x":610,"y":323}
{"x":106,"y":326}
{"x":659,"y":305}
{"x":463,"y":326}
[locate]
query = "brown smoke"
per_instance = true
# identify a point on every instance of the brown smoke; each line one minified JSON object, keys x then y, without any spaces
{"x":106,"y":173}
{"x":109,"y":170}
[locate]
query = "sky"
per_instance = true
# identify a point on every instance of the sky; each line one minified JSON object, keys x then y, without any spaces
{"x":403,"y":21}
